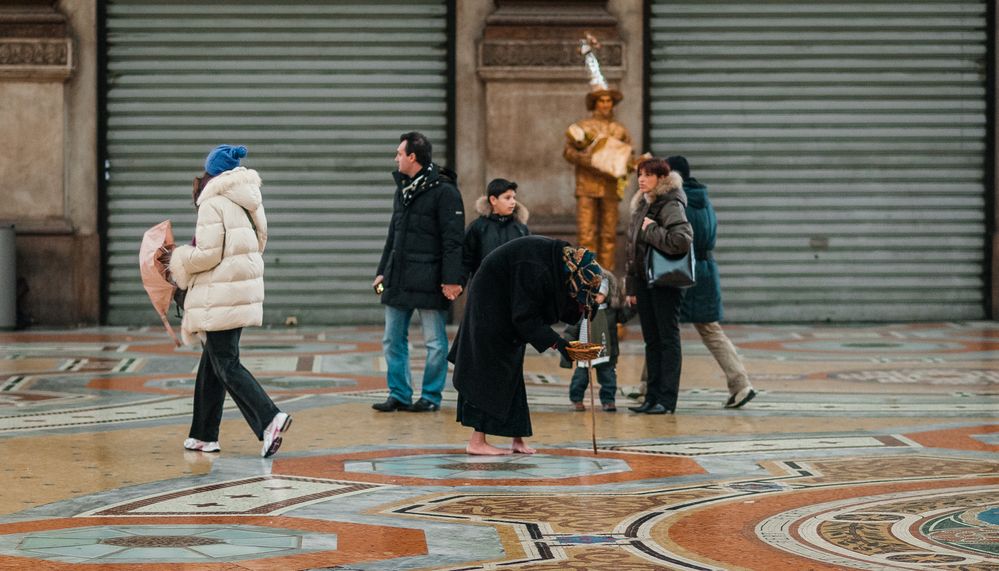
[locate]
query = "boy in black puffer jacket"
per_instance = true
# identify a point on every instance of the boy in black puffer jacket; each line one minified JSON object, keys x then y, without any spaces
{"x":501,"y":219}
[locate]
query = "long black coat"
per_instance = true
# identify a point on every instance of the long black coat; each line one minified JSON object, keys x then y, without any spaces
{"x":424,"y":245}
{"x":518,"y":292}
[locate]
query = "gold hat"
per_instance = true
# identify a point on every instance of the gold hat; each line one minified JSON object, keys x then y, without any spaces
{"x":591,"y":97}
{"x":598,"y":85}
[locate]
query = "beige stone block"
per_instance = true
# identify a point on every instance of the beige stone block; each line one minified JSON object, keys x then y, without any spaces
{"x":526,"y":123}
{"x":31,"y":144}
{"x":81,"y":119}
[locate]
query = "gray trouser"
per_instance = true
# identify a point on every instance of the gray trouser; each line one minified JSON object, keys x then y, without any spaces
{"x":714,"y":338}
{"x":717,"y":342}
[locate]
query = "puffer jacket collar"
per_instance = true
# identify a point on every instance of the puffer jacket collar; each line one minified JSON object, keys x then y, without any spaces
{"x":697,"y":193}
{"x":670,"y":187}
{"x":483,"y":208}
{"x":240,"y":185}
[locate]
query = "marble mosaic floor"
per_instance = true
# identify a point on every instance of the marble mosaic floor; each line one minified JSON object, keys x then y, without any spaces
{"x":868,"y":447}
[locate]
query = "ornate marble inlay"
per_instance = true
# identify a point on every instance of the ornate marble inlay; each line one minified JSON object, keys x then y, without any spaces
{"x":160,"y":541}
{"x":485,"y":466}
{"x":177,"y":544}
{"x":907,"y":527}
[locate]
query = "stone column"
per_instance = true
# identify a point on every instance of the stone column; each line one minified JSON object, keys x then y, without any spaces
{"x":530,"y":85}
{"x":48,"y":157}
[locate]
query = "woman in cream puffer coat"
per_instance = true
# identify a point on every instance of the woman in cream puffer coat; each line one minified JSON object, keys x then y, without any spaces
{"x":223,"y":273}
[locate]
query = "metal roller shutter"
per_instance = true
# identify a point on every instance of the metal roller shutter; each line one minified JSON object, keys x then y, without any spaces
{"x":318,"y":91}
{"x":844,"y":148}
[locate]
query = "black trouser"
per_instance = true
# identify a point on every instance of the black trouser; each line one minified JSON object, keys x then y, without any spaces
{"x":659,"y":312}
{"x":219,"y":371}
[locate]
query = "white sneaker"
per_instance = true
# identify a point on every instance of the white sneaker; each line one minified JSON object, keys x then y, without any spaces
{"x":740,"y":398}
{"x":201,"y":446}
{"x":273,"y":432}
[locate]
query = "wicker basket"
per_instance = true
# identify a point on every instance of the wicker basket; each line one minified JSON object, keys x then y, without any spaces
{"x":580,"y":351}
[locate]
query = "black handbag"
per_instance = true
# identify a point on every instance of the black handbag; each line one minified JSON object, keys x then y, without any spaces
{"x":179,"y":297}
{"x":664,"y":270}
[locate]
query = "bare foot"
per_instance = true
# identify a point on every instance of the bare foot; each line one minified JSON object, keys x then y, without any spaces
{"x":486,"y":449}
{"x":521,"y":447}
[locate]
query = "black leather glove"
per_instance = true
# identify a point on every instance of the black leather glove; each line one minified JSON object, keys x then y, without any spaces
{"x":561,"y":345}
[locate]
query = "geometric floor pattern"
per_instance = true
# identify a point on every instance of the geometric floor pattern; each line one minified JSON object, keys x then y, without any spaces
{"x":869,"y":447}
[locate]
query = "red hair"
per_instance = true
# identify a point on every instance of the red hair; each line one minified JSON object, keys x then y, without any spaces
{"x":654,"y":166}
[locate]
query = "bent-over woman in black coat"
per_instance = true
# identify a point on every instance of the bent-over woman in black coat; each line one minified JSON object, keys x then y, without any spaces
{"x":519,"y":291}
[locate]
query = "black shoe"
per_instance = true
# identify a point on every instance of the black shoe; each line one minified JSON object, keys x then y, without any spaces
{"x":390,"y":405}
{"x":659,"y":409}
{"x":644,"y":408}
{"x":423,"y":405}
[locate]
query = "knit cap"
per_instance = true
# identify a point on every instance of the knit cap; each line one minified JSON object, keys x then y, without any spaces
{"x":224,"y":158}
{"x":680,"y":165}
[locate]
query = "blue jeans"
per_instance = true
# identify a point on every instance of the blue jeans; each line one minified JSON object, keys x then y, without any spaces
{"x":395,"y":343}
{"x":606,"y":376}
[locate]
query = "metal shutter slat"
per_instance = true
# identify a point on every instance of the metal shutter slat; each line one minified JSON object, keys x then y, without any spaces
{"x":319,"y":92}
{"x":844,"y":148}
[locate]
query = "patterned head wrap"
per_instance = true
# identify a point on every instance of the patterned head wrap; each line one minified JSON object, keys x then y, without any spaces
{"x":584,"y":274}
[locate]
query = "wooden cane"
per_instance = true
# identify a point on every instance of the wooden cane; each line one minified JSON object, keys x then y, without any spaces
{"x":589,"y":382}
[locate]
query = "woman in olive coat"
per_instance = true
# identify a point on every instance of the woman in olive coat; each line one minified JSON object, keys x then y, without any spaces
{"x":658,"y":220}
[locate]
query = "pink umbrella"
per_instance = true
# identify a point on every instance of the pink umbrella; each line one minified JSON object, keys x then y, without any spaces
{"x":155,"y":241}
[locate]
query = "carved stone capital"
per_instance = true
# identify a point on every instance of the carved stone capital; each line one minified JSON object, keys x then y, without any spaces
{"x":520,"y":53}
{"x":34,"y":42}
{"x":530,"y":40}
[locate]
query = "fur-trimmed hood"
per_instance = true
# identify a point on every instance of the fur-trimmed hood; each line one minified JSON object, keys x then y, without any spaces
{"x":240,"y":185}
{"x":520,"y":212}
{"x":670,"y":183}
{"x":615,"y":293}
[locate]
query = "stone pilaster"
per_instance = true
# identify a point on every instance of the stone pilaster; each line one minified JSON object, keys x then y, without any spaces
{"x":34,"y":42}
{"x":534,"y":86}
{"x":525,"y":40}
{"x":41,"y":178}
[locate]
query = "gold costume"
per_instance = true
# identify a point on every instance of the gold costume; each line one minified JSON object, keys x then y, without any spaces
{"x":597,"y":194}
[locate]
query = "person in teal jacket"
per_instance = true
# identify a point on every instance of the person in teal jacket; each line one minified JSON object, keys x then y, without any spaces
{"x":702,"y":303}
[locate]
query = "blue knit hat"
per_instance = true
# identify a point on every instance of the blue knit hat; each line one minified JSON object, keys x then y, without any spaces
{"x":224,"y":158}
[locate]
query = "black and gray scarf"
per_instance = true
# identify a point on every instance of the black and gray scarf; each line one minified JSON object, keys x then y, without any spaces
{"x":418,"y":184}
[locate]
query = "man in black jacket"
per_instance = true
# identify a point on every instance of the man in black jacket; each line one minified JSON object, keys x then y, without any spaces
{"x":420,"y":268}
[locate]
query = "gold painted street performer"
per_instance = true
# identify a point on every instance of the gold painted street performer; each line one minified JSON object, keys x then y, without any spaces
{"x":519,"y":291}
{"x":600,"y":148}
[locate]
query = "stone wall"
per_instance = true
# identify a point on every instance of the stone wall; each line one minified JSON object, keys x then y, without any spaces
{"x":520,"y":82}
{"x":48,"y":174}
